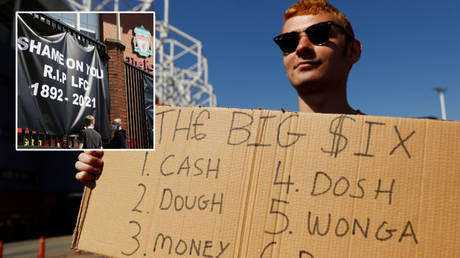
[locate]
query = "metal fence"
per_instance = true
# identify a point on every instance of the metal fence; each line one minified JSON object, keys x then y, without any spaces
{"x":140,"y":130}
{"x":32,"y":139}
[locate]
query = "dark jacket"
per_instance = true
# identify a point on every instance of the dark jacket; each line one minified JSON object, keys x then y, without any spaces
{"x":119,"y":140}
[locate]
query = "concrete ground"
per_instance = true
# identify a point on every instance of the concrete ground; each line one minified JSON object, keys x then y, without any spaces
{"x":54,"y":247}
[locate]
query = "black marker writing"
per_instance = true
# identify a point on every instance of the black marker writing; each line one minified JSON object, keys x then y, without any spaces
{"x":401,"y":142}
{"x":298,"y":135}
{"x":162,"y":114}
{"x":366,"y":154}
{"x":259,"y":143}
{"x":243,"y":128}
{"x":339,"y":141}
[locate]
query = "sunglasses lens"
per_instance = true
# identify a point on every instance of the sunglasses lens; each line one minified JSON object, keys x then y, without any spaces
{"x":318,"y":34}
{"x":288,"y":42}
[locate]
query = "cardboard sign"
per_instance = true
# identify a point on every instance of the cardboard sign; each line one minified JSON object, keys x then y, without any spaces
{"x":257,"y":183}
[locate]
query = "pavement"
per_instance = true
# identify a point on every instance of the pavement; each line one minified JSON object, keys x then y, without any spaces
{"x":54,"y":247}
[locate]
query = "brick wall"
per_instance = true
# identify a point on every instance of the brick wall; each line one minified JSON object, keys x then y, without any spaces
{"x":118,"y":51}
{"x":117,"y":89}
{"x":128,"y":22}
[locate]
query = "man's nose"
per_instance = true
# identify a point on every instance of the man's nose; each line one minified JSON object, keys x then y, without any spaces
{"x":304,"y":45}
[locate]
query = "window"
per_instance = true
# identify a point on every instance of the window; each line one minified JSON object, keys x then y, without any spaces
{"x":89,"y":22}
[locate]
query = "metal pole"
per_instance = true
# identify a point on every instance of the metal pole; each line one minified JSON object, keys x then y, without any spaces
{"x":443,"y":105}
{"x":166,"y":13}
{"x":86,"y":5}
{"x":77,"y":21}
{"x":17,"y":7}
{"x":118,"y":27}
{"x":442,"y":100}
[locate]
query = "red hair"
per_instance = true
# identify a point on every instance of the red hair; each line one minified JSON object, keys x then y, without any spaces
{"x":314,"y":7}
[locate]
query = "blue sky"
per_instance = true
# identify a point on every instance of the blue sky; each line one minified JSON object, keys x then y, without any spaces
{"x":409,"y":47}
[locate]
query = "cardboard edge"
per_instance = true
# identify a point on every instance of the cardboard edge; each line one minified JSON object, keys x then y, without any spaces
{"x":81,"y":217}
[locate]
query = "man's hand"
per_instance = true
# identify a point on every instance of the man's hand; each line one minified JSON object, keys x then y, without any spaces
{"x":89,"y":166}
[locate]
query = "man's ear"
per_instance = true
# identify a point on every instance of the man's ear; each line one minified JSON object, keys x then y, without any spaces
{"x":354,"y":49}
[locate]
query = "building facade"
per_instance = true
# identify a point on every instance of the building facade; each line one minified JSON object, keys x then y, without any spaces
{"x":127,"y":45}
{"x":38,"y":191}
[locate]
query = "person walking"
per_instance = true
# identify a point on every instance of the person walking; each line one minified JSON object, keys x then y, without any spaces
{"x":89,"y":138}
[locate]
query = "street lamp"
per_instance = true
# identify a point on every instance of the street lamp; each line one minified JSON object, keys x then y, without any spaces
{"x":443,"y":103}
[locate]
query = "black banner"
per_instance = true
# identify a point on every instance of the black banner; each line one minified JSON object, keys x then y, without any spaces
{"x":148,"y":97}
{"x":149,"y":102}
{"x":59,"y":82}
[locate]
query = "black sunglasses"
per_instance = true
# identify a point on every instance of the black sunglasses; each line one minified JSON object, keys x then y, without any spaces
{"x":318,"y":34}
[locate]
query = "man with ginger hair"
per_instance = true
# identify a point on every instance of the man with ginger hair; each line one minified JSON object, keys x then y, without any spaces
{"x":319,"y":48}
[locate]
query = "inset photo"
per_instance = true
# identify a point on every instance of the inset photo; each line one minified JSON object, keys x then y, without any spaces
{"x":84,"y":80}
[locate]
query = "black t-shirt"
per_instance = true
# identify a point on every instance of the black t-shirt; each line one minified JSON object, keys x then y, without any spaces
{"x":90,"y":138}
